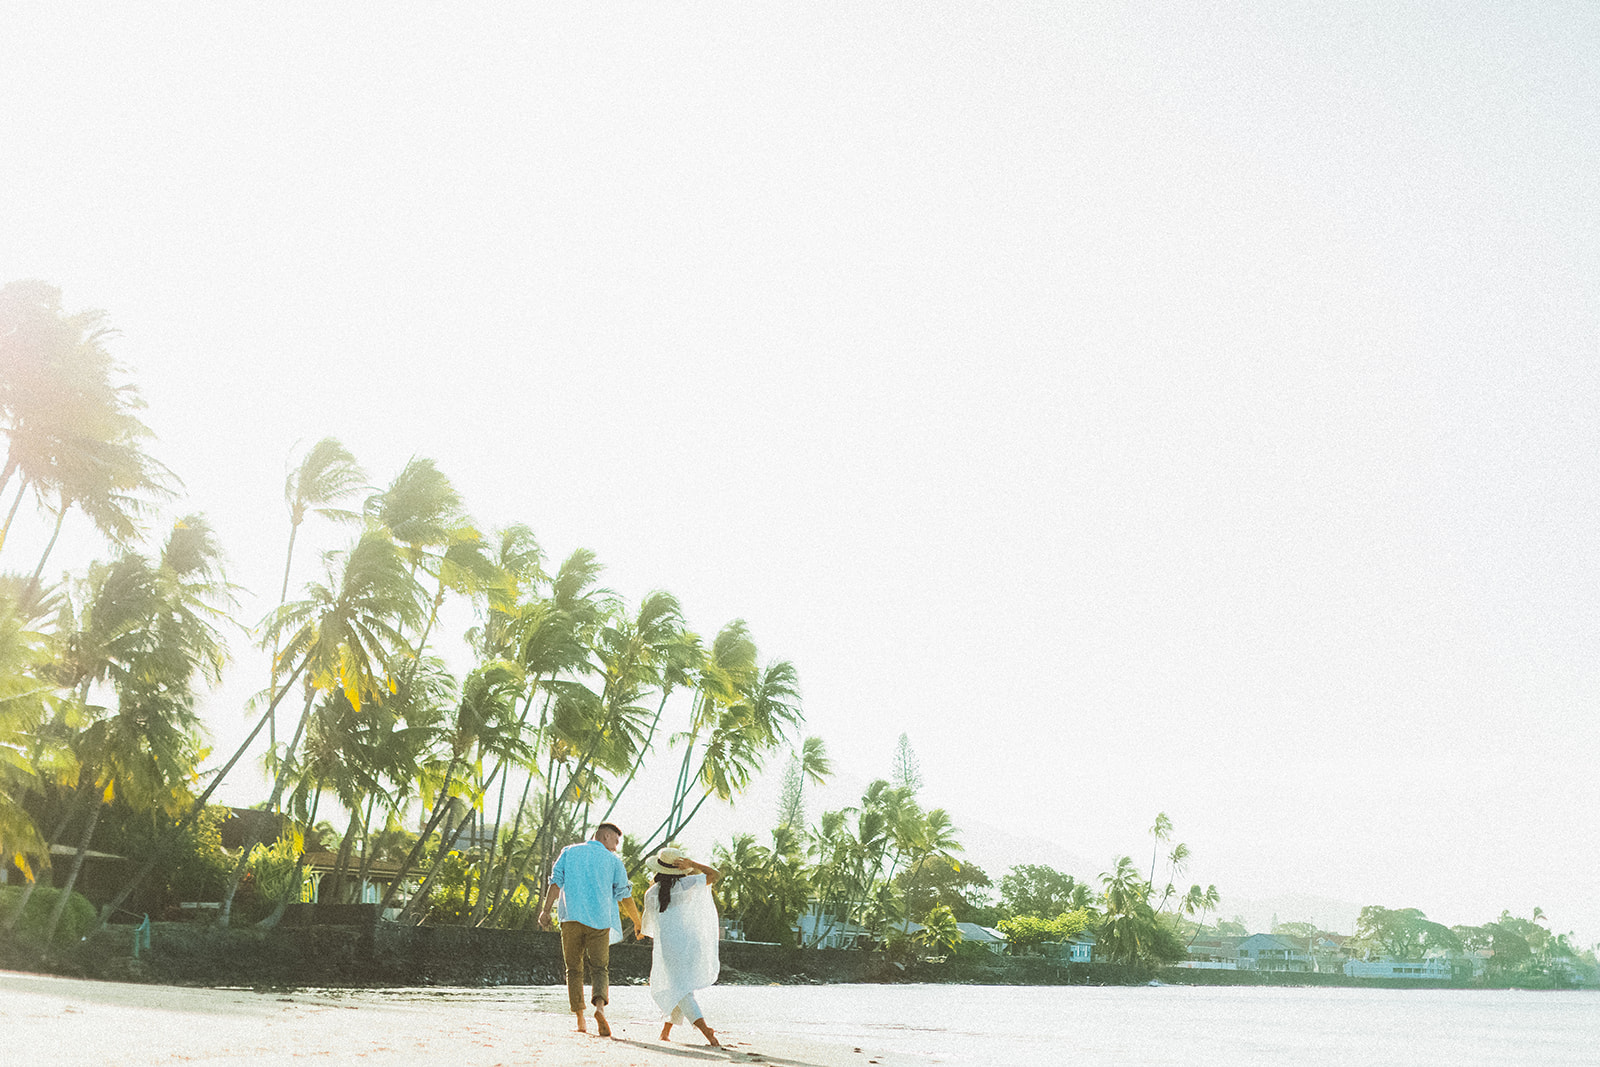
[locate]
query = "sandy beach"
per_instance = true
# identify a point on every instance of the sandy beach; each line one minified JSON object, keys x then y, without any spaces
{"x":48,"y":1021}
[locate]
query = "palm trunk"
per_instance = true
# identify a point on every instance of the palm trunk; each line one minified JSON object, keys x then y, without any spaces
{"x":15,"y":503}
{"x":481,"y":902}
{"x":644,"y":750}
{"x":437,"y":816}
{"x":253,"y":838}
{"x":336,"y":880}
{"x":670,"y":826}
{"x":33,"y":583}
{"x":27,"y":890}
{"x":507,"y":885}
{"x":533,"y":846}
{"x":420,"y":900}
{"x":77,"y":866}
{"x":500,"y":810}
{"x":158,"y":853}
{"x":366,"y":850}
{"x":417,"y":908}
{"x":283,"y":597}
{"x":299,"y":866}
{"x":10,"y":469}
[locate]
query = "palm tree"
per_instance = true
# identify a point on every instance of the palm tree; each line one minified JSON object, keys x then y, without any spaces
{"x":554,"y":634}
{"x":1160,"y":831}
{"x":348,"y":636}
{"x":485,"y":726}
{"x":71,"y":433}
{"x":653,"y":649}
{"x":326,"y":475}
{"x":764,"y":888}
{"x":743,"y":713}
{"x":149,"y":631}
{"x":25,"y":700}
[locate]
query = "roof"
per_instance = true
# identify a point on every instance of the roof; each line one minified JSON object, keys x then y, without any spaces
{"x":974,"y":932}
{"x":324,"y":861}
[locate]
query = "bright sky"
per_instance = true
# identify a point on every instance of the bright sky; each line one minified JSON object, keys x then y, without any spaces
{"x":1145,"y":407}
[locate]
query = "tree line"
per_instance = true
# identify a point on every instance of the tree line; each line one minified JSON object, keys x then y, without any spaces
{"x":566,"y":697}
{"x":466,"y":783}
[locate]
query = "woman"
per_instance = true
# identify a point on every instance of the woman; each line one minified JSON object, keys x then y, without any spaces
{"x":682,"y":918}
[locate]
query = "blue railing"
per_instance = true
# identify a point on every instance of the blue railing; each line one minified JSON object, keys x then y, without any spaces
{"x":141,"y":937}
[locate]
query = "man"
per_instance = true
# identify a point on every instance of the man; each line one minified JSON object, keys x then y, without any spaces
{"x":590,"y":881}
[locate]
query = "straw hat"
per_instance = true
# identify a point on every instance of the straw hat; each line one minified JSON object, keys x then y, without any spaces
{"x":665,"y":862}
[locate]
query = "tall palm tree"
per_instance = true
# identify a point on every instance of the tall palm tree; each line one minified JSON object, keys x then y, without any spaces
{"x":71,"y":434}
{"x":554,"y":634}
{"x":485,"y":726}
{"x":326,"y":475}
{"x":348,"y":636}
{"x":1160,"y":831}
{"x":150,"y":631}
{"x":652,"y":649}
{"x":26,"y":697}
{"x":811,"y":764}
{"x":725,"y":672}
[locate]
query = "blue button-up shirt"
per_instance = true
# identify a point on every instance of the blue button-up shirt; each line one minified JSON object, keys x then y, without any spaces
{"x":592,"y":880}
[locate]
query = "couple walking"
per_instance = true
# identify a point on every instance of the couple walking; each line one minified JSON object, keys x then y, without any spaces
{"x":587,"y":885}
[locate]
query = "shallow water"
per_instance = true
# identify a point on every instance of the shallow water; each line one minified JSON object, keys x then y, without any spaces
{"x":1141,"y":1026}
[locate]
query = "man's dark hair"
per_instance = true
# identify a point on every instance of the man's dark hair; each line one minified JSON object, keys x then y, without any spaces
{"x":613,"y":827}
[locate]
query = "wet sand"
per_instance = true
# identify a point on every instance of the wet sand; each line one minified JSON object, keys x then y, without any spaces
{"x":48,"y":1021}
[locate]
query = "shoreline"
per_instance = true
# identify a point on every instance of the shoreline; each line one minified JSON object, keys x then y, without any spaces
{"x":56,"y":1021}
{"x":389,"y":957}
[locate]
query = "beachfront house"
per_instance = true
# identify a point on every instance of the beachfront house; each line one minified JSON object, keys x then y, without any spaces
{"x":1078,"y":949}
{"x":1268,"y":952}
{"x":989,"y":938}
{"x":819,"y":929}
{"x":1434,"y":968}
{"x":1216,"y":953}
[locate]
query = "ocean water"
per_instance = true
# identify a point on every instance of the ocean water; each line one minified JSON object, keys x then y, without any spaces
{"x":1171,"y":1025}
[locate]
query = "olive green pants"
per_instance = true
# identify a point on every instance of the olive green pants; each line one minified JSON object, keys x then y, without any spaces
{"x":584,"y":946}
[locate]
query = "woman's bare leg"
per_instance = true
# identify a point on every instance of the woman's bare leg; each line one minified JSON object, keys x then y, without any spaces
{"x":711,"y":1035}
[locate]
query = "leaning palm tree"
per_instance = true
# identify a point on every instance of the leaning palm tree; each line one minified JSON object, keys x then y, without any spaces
{"x":72,"y":437}
{"x":811,"y":764}
{"x":326,"y":475}
{"x":553,"y":634}
{"x":150,"y":631}
{"x":347,"y":635}
{"x":739,"y":735}
{"x":484,"y":727}
{"x":424,"y":515}
{"x":26,"y":696}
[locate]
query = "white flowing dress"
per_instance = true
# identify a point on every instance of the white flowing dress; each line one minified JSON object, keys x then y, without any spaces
{"x":684,"y":955}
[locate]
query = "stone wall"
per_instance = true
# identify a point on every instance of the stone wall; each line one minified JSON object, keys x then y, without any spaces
{"x":385,"y":954}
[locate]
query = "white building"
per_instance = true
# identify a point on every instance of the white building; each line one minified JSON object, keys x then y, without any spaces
{"x":1435,"y":968}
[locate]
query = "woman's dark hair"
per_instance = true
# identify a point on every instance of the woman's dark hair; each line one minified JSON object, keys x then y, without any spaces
{"x":666,"y":882}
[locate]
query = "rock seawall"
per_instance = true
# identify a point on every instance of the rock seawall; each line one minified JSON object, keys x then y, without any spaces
{"x":301,"y":954}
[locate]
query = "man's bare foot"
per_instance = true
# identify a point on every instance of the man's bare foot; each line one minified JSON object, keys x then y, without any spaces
{"x":602,"y":1027}
{"x":666,"y":1031}
{"x":582,"y":1029}
{"x":711,"y":1035}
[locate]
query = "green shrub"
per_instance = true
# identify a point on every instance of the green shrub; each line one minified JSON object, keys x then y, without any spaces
{"x":76,"y":920}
